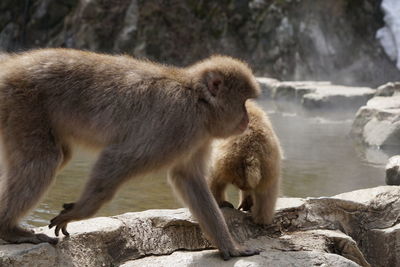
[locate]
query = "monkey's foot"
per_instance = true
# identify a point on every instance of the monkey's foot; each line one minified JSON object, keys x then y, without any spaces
{"x":239,"y":252}
{"x":61,"y":220}
{"x":246,"y":204}
{"x":226,"y":204}
{"x":19,"y":235}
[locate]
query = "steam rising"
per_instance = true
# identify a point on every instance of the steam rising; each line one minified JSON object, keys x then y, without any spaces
{"x":389,"y":35}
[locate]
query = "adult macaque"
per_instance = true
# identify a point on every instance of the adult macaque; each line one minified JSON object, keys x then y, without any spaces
{"x":143,"y":115}
{"x":250,"y":161}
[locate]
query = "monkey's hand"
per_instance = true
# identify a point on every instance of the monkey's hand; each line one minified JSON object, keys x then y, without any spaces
{"x":246,"y":204}
{"x":62,"y":219}
{"x":226,"y":204}
{"x":239,"y":252}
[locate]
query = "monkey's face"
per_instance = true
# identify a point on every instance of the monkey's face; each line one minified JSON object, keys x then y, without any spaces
{"x":231,"y":113}
{"x":228,"y":83}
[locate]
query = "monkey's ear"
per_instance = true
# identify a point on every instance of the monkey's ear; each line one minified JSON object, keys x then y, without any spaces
{"x":214,"y":82}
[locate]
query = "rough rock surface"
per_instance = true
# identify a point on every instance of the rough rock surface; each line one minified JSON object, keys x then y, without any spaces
{"x":289,"y":40}
{"x":393,"y":171}
{"x":317,"y":94}
{"x":351,"y":229}
{"x":388,"y":89}
{"x":378,"y":122}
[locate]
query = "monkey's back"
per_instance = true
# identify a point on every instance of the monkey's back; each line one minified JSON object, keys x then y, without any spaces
{"x":257,"y":148}
{"x":82,"y":93}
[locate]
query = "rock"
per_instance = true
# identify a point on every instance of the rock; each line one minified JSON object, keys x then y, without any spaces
{"x":378,"y":123}
{"x":350,"y":229}
{"x":25,"y":255}
{"x":289,"y":40}
{"x":317,"y":95}
{"x":267,"y":85}
{"x":127,"y":35}
{"x":339,"y":97}
{"x":388,"y":89}
{"x":160,"y":232}
{"x":308,"y":249}
{"x":90,"y":244}
{"x":7,"y":34}
{"x":294,"y":90}
{"x":382,"y":242}
{"x":393,"y":171}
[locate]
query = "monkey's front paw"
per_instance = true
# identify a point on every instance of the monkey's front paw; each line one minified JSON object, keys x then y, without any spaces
{"x":61,"y":220}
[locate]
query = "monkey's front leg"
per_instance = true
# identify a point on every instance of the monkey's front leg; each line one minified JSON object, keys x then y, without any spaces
{"x":189,"y":182}
{"x":109,"y":172}
{"x":97,"y":192}
{"x":218,"y":189}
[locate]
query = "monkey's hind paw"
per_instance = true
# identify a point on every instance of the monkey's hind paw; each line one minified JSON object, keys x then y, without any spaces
{"x":19,"y":235}
{"x":34,"y":239}
{"x":45,"y":238}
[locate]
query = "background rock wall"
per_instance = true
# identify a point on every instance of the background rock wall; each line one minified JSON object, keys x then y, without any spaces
{"x":285,"y":39}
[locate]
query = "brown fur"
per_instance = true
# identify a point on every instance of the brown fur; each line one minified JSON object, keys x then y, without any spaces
{"x":143,"y":115}
{"x":250,"y":161}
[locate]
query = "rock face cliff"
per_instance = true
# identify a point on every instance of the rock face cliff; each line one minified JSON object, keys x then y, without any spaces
{"x":285,"y":39}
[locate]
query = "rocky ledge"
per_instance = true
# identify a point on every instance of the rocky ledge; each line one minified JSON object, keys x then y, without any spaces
{"x":377,"y":118}
{"x":378,"y":122}
{"x":351,"y":229}
{"x":317,"y":94}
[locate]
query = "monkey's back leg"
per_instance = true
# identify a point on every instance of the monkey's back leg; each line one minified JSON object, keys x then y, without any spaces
{"x":265,"y":195}
{"x":31,"y":155}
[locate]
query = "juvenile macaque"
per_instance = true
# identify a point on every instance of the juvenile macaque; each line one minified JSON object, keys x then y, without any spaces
{"x":250,"y":161}
{"x":143,"y":115}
